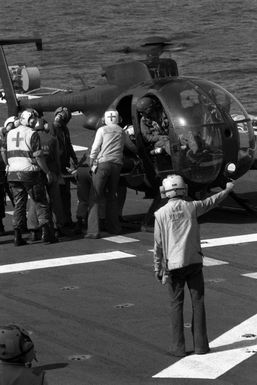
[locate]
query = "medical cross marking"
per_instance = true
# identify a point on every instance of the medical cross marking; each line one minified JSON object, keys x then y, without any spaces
{"x":18,"y":139}
{"x":111,"y":116}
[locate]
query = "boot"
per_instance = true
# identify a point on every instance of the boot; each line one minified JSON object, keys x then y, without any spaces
{"x":18,"y":241}
{"x":48,"y":236}
{"x":34,"y":235}
{"x":78,"y":226}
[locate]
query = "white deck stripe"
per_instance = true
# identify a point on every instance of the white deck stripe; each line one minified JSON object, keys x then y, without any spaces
{"x":229,"y":240}
{"x":56,"y":262}
{"x":213,"y":262}
{"x":121,"y":239}
{"x":228,"y":350}
{"x":250,"y":275}
{"x":79,"y":148}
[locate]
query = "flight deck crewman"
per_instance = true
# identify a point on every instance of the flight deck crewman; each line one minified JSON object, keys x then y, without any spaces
{"x":24,"y":174}
{"x":178,"y":258}
{"x":16,"y":356}
{"x":106,"y":159}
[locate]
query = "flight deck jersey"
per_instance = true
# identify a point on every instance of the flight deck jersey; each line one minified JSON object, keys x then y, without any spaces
{"x":176,"y":231}
{"x":23,"y":145}
{"x":108,"y":144}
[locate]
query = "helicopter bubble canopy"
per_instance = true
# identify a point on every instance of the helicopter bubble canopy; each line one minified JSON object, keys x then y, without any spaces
{"x":204,"y":135}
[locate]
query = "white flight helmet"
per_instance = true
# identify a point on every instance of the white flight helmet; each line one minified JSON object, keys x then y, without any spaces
{"x":173,"y":186}
{"x":13,"y":120}
{"x":111,"y":117}
{"x":15,"y":344}
{"x":26,"y":115}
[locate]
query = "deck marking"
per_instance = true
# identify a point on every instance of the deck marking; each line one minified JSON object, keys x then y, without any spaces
{"x":79,"y":148}
{"x":250,"y":275}
{"x":227,"y":351}
{"x":213,"y":262}
{"x":120,"y":239}
{"x":234,"y":240}
{"x":65,"y":261}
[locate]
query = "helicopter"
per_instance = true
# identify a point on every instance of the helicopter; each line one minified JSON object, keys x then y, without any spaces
{"x":210,"y":134}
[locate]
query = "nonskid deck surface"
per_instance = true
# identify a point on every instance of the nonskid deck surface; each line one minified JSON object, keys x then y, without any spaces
{"x":98,"y":316}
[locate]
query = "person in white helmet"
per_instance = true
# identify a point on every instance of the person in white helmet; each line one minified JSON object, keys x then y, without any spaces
{"x":16,"y":356}
{"x":25,"y":163}
{"x":178,"y":258}
{"x":106,"y":159}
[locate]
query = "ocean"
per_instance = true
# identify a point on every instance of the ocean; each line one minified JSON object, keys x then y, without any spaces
{"x":214,"y":40}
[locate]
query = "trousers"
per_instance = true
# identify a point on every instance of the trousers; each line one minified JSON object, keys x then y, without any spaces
{"x":105,"y":181}
{"x":191,"y":275}
{"x":36,"y":192}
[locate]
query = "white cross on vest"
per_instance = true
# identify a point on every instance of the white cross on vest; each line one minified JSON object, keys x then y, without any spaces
{"x":17,"y":139}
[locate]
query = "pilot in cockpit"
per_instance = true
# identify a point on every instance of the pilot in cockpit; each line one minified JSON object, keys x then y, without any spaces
{"x":154,"y":125}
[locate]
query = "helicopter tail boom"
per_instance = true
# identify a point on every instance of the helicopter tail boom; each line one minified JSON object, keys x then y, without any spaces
{"x":83,"y":101}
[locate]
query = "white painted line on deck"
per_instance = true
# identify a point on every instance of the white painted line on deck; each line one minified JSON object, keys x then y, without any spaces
{"x":250,"y":275}
{"x":213,"y":262}
{"x":65,"y":261}
{"x":234,"y":240}
{"x":120,"y":239}
{"x":227,"y":351}
{"x":79,"y":148}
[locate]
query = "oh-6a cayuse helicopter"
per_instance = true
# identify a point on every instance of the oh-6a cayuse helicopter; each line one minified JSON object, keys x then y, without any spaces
{"x":210,"y":133}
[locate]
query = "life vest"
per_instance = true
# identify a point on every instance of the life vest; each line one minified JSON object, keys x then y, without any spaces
{"x":19,"y":153}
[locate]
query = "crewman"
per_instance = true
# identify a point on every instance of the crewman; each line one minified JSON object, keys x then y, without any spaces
{"x":25,"y":163}
{"x":50,"y":148}
{"x":153,"y":125}
{"x":106,"y":158}
{"x":62,"y":116}
{"x":16,"y":356}
{"x":9,"y":124}
{"x":178,"y":258}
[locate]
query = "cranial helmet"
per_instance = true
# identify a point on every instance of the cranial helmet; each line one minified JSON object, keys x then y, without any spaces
{"x":26,"y":115}
{"x":63,"y":113}
{"x":145,"y":105}
{"x":173,"y":186}
{"x":13,"y":120}
{"x":111,"y":117}
{"x":15,"y":343}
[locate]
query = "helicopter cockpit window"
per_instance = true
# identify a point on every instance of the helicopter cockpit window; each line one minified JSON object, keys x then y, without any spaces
{"x":197,"y":148}
{"x":234,"y":111}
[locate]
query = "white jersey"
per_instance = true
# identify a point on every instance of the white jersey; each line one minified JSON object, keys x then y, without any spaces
{"x":19,"y":152}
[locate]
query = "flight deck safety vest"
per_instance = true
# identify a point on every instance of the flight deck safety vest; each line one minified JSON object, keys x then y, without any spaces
{"x":19,"y":153}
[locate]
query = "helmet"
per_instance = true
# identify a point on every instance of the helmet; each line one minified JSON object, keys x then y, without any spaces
{"x":41,"y":125}
{"x":13,"y":120}
{"x":173,"y":186}
{"x":111,"y":117}
{"x":63,"y":114}
{"x":145,"y":105}
{"x":26,"y":115}
{"x":15,"y":342}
